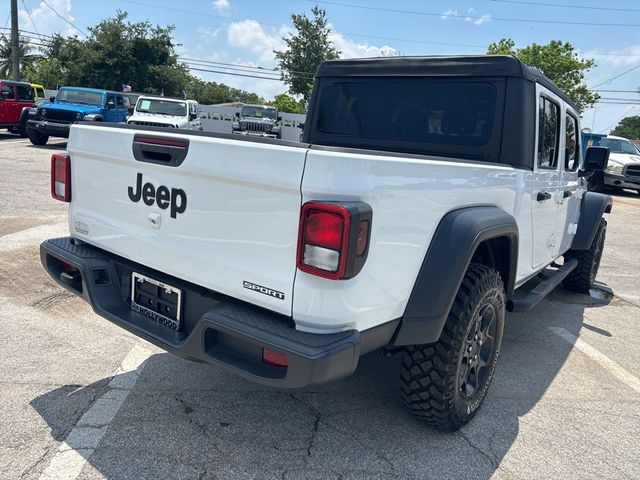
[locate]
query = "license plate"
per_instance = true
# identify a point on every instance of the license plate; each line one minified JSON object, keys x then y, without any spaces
{"x":156,"y":300}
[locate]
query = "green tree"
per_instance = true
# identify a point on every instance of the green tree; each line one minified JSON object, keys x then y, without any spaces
{"x":558,"y":61}
{"x":211,"y":93}
{"x":286,"y":103}
{"x":628,"y":127}
{"x":307,"y":48}
{"x":25,"y":53}
{"x":118,"y":52}
{"x":46,"y":72}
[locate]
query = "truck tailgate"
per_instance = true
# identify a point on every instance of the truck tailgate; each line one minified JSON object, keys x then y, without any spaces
{"x":227,"y":218}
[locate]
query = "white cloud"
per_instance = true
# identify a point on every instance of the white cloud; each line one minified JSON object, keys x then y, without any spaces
{"x":448,"y":14}
{"x":352,"y":49}
{"x":221,"y":6}
{"x":254,"y":38}
{"x":471,"y":16}
{"x":629,"y":55}
{"x":45,"y":21}
{"x":208,"y":34}
{"x":250,"y":35}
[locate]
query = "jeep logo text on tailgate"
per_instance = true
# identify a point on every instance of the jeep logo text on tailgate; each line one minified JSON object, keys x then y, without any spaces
{"x":176,"y":198}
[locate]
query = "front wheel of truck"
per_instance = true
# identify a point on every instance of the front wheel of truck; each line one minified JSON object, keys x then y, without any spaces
{"x":36,"y":137}
{"x":444,"y":383}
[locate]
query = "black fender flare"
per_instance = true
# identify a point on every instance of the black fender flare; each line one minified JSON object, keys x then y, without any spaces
{"x":452,"y":247}
{"x":594,"y":206}
{"x":24,"y":116}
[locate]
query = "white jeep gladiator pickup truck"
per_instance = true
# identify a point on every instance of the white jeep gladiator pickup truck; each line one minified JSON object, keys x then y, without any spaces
{"x":429,"y":195}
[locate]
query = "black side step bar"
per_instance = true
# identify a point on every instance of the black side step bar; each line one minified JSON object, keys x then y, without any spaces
{"x":541,"y":290}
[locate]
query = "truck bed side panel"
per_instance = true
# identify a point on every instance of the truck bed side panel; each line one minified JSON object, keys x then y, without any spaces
{"x":409,"y":197}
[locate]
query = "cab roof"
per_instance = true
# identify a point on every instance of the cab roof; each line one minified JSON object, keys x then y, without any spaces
{"x":439,"y":66}
{"x":16,"y":82}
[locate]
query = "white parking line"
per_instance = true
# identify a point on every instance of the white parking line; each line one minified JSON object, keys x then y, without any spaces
{"x":80,"y":444}
{"x":604,"y":361}
{"x":37,"y":234}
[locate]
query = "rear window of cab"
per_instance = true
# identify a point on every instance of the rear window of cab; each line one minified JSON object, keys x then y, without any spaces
{"x":413,"y":115}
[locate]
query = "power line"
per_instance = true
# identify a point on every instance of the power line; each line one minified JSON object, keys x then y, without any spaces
{"x":233,"y":74}
{"x":63,"y":18}
{"x":616,"y":77}
{"x":231,"y":66}
{"x":29,"y":15}
{"x":473,"y":17}
{"x":350,"y":34}
{"x":251,"y":72}
{"x":609,"y":99}
{"x":617,"y":91}
{"x":33,"y":33}
{"x":563,"y":5}
{"x":235,"y":66}
{"x":618,"y":121}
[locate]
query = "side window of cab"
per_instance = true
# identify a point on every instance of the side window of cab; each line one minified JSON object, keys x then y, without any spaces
{"x":7,"y":91}
{"x":572,"y":147}
{"x":25,"y":93}
{"x":548,"y":134}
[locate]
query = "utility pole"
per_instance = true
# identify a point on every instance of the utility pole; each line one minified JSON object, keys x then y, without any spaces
{"x":15,"y":41}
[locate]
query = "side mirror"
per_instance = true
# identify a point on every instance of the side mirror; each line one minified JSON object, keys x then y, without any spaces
{"x":595,"y":160}
{"x":279,"y":118}
{"x":130,"y":109}
{"x":4,"y":95}
{"x":193,"y":116}
{"x":52,"y":99}
{"x":237,"y":115}
{"x":301,"y":126}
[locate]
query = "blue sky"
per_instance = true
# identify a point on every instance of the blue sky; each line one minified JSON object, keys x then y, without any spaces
{"x":244,"y":32}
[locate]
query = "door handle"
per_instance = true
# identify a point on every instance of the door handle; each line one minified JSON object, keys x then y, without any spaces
{"x":542,"y":196}
{"x":567,"y":194}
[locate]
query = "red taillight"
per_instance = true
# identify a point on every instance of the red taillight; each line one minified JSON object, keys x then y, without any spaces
{"x":324,"y":229}
{"x":333,"y":238}
{"x":61,"y":177}
{"x":273,"y":358}
{"x":324,"y":232}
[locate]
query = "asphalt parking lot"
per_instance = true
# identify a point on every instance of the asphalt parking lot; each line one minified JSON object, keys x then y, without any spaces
{"x":82,"y":398}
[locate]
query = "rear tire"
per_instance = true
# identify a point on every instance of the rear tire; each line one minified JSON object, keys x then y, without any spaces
{"x":36,"y":137}
{"x":444,"y":383}
{"x":584,"y":275}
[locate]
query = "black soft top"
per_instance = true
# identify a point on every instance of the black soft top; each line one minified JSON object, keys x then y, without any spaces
{"x":445,"y":66}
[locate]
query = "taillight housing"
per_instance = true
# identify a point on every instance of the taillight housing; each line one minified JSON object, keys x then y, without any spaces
{"x":333,"y":241}
{"x":61,"y":177}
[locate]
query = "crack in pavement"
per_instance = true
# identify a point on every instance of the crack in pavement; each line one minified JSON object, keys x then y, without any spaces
{"x":320,"y":418}
{"x":492,"y":461}
{"x":40,"y":460}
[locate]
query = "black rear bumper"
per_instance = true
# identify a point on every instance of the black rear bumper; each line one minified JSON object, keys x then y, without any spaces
{"x":215,"y":328}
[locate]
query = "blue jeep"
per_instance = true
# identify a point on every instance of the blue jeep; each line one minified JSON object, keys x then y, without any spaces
{"x":74,"y":104}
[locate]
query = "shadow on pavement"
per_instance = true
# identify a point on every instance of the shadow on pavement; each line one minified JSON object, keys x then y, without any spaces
{"x":49,"y":146}
{"x":187,"y":420}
